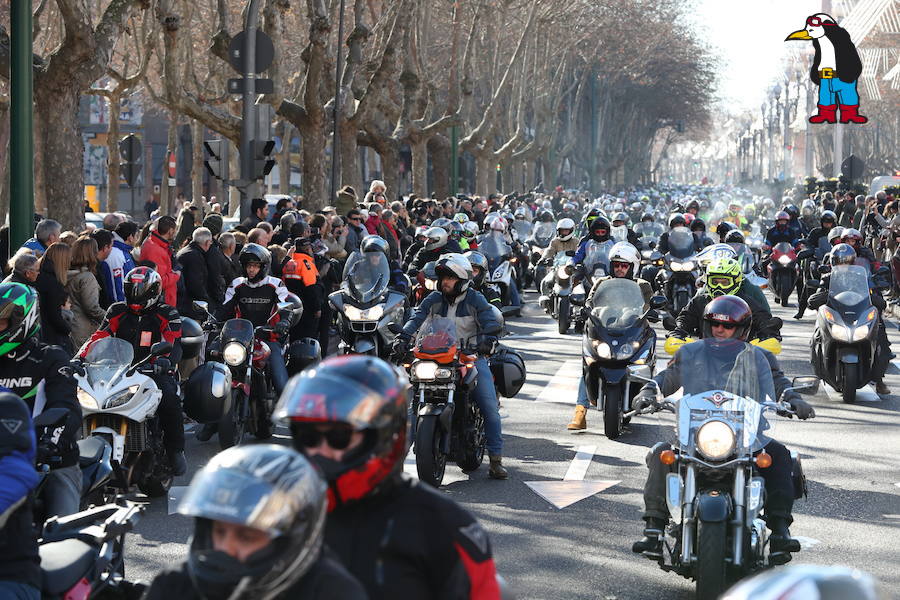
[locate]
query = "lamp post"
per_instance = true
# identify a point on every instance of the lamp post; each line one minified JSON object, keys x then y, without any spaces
{"x":21,"y":141}
{"x":336,"y":134}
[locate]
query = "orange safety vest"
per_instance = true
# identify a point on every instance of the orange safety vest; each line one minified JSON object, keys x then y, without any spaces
{"x":301,"y":266}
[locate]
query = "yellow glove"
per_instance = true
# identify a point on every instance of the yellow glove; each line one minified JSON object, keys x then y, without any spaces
{"x":770,"y":344}
{"x":674,"y":343}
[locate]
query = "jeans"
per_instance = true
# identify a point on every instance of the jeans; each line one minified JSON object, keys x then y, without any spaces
{"x":485,"y":395}
{"x":834,"y":91}
{"x":171,"y":418}
{"x":277,"y":368}
{"x":514,"y":299}
{"x":582,"y":395}
{"x":62,"y":492}
{"x":14,"y":590}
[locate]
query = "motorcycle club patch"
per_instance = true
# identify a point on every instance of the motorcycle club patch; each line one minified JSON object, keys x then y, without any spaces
{"x":146,"y":338}
{"x":478,"y":536}
{"x":12,"y":425}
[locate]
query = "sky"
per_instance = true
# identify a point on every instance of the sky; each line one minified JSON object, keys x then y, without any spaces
{"x":749,"y":35}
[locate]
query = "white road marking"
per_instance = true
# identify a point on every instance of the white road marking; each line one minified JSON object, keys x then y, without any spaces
{"x":897,"y":484}
{"x":896,"y":363}
{"x":864,"y":394}
{"x":580,"y":464}
{"x":452,"y":474}
{"x":565,"y":493}
{"x":563,"y":387}
{"x":176,"y":493}
{"x":806,"y":542}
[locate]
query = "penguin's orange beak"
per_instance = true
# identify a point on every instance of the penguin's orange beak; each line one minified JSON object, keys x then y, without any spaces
{"x":801,"y":34}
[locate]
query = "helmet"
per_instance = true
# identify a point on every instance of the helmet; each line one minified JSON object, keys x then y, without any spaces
{"x":366,"y":393}
{"x":435,"y":237}
{"x":828,"y":216}
{"x":498,"y":224}
{"x":374,"y":243}
{"x":693,"y":204}
{"x":734,"y":237}
{"x":808,"y":208}
{"x":806,"y":581}
{"x":623,"y":252}
{"x":470,"y":230}
{"x":843,"y":254}
{"x":441,"y":222}
{"x":143,"y":289}
{"x":461,"y":218}
{"x":265,"y":487}
{"x":521,"y":212}
{"x":546,"y":216}
{"x":566,"y":223}
{"x":852,"y":235}
{"x":677,"y":220}
{"x":254,"y":253}
{"x":792,"y":210}
{"x":730,"y":310}
{"x":420,"y":230}
{"x":477,"y":259}
{"x":647,"y":217}
{"x":834,"y":235}
{"x":19,"y":304}
{"x":723,"y":276}
{"x":697,"y":224}
{"x":458,"y":266}
{"x":782,"y":215}
{"x":621,"y":216}
{"x":749,"y":210}
{"x":599,"y":229}
{"x":547,"y":205}
{"x":207,"y":392}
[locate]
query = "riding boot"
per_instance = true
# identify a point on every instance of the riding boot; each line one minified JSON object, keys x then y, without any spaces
{"x":177,"y":462}
{"x":497,"y":471}
{"x":651,"y":543}
{"x":579,"y":421}
{"x":206,"y":431}
{"x":881,"y":388}
{"x":781,"y":544}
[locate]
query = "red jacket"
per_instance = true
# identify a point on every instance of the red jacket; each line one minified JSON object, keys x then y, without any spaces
{"x":158,"y":250}
{"x":372,"y":224}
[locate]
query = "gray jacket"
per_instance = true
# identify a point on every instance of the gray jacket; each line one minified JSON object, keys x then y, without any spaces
{"x":471,"y":313}
{"x":84,"y":293}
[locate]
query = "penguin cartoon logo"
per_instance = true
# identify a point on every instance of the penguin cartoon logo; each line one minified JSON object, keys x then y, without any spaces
{"x":835,"y":69}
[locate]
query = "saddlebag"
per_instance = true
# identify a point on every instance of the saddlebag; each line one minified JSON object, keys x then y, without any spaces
{"x":508,"y":369}
{"x":799,"y":479}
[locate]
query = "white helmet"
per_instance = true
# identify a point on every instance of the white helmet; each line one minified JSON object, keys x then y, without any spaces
{"x":435,"y":237}
{"x":565,"y":224}
{"x":457,"y":265}
{"x":498,"y":224}
{"x":625,"y":252}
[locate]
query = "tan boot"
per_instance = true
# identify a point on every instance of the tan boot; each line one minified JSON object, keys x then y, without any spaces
{"x":497,"y":471}
{"x":579,"y":421}
{"x":881,"y":388}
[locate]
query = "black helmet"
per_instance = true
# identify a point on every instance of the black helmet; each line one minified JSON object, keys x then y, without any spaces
{"x":734,"y":237}
{"x":19,"y":304}
{"x":599,"y":229}
{"x":477,"y":259}
{"x":369,"y":395}
{"x":546,"y":216}
{"x":254,"y":253}
{"x":693,"y":204}
{"x":731,"y":310}
{"x":207,"y":392}
{"x":698,"y":225}
{"x":792,"y":210}
{"x":143,"y":289}
{"x":265,"y":487}
{"x":828,"y":216}
{"x":302,"y":354}
{"x":723,"y":228}
{"x":677,"y":220}
{"x":374,"y":243}
{"x":843,"y":254}
{"x":647,"y":216}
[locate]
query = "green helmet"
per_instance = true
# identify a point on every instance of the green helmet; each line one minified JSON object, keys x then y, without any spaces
{"x":18,"y":304}
{"x":724,"y":276}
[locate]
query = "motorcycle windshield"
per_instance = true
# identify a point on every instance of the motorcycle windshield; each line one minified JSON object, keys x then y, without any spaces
{"x":849,"y":288}
{"x":495,"y":249}
{"x":437,"y":335}
{"x":237,"y":330}
{"x":561,"y":258}
{"x":543,"y":232}
{"x":106,"y":358}
{"x":742,"y":415}
{"x":618,"y":303}
{"x":523,"y":228}
{"x":782,"y":248}
{"x":681,"y":242}
{"x":648,"y":230}
{"x":619,"y":234}
{"x":366,"y":276}
{"x":596,"y":255}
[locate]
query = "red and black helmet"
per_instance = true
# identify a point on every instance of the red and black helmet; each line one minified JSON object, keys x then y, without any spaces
{"x":366,"y":393}
{"x":730,"y":311}
{"x":143,"y":289}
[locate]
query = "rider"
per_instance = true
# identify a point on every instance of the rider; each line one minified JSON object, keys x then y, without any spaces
{"x":436,"y":244}
{"x":563,"y":242}
{"x":621,"y":220}
{"x":417,"y":244}
{"x":782,"y":231}
{"x":598,"y":232}
{"x":143,"y":320}
{"x":259,"y":518}
{"x":479,"y":269}
{"x":473,"y":317}
{"x":624,"y":262}
{"x":817,"y":240}
{"x":723,"y":229}
{"x":676,"y":220}
{"x":853,"y":238}
{"x":698,"y":228}
{"x":727,"y":321}
{"x":399,"y":537}
{"x":376,"y":243}
{"x":724,"y":276}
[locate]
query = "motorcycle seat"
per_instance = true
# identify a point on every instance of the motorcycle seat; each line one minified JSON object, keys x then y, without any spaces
{"x":90,"y":450}
{"x":63,"y":564}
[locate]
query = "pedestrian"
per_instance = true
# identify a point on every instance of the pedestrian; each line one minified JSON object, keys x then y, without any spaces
{"x":104,"y":240}
{"x":192,"y":259}
{"x":301,"y":278}
{"x":46,"y":232}
{"x":23,"y":267}
{"x":216,"y":262}
{"x":228,"y":245}
{"x":83,"y":288}
{"x":355,"y":230}
{"x":258,"y":235}
{"x":187,"y":221}
{"x":336,"y":239}
{"x":387,"y":230}
{"x":259,"y":212}
{"x":158,"y":250}
{"x":281,"y":206}
{"x":376,"y":193}
{"x":120,"y":259}
{"x":374,"y":220}
{"x":346,"y":200}
{"x":150,"y":205}
{"x":52,"y":296}
{"x":112,"y":220}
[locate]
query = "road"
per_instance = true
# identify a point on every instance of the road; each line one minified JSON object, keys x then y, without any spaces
{"x":583,"y":550}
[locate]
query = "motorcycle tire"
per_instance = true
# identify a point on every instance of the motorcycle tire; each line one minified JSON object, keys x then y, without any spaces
{"x":612,"y":411}
{"x":154,"y":487}
{"x":430,"y":458}
{"x":711,"y":567}
{"x":851,"y":381}
{"x":681,"y":300}
{"x":263,"y":426}
{"x":232,"y":425}
{"x":563,"y":315}
{"x":473,"y":452}
{"x":785,"y":289}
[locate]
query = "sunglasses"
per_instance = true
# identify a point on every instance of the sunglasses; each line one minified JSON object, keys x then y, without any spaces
{"x":357,"y":219}
{"x":309,"y":436}
{"x":728,"y":326}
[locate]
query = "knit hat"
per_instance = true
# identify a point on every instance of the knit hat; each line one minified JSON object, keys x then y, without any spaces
{"x":213,"y":222}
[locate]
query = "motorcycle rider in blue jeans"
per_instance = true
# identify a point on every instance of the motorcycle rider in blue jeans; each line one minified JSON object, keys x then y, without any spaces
{"x":474,"y":318}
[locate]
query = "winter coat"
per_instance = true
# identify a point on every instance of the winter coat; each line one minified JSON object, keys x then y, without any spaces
{"x":84,"y":292}
{"x":51,"y":297}
{"x":157,"y":250}
{"x":192,"y":259}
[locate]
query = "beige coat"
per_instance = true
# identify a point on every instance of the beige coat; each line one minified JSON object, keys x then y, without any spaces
{"x":84,"y":292}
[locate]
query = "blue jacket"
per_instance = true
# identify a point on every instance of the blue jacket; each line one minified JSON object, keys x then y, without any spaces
{"x":35,"y":245}
{"x":474,"y":315}
{"x":119,"y":263}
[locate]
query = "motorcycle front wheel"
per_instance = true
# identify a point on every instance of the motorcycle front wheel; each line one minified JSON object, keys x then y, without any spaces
{"x":154,"y":480}
{"x":232,"y":424}
{"x":612,"y":411}
{"x":430,"y":458}
{"x":851,"y":379}
{"x":563,"y":315}
{"x":711,"y":567}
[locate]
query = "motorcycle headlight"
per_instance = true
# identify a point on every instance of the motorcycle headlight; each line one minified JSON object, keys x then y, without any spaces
{"x":234,"y":354}
{"x":561,"y":273}
{"x":374,"y":313}
{"x":646,"y":253}
{"x":602,"y":348}
{"x":352,"y":313}
{"x":625,"y":351}
{"x":86,"y":400}
{"x":715,"y":440}
{"x":675,"y":266}
{"x":784,"y":259}
{"x":863,"y":330}
{"x":425,"y":371}
{"x":122,"y":397}
{"x":687,"y":266}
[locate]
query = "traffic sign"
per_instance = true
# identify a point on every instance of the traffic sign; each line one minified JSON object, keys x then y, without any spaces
{"x":130,"y":148}
{"x":173,"y":163}
{"x":262,"y":86}
{"x":265,"y":52}
{"x":852,"y":168}
{"x":130,"y":171}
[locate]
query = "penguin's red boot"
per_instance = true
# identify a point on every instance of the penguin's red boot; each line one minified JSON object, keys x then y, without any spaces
{"x":827,"y":114}
{"x":849,"y":114}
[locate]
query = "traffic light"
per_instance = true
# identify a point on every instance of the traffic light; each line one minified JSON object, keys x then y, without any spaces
{"x":262,"y":160}
{"x":131,"y":151}
{"x":213,"y":162}
{"x":130,"y":171}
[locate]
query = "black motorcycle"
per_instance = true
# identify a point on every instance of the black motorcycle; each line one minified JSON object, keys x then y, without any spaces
{"x":619,"y":343}
{"x":678,"y":280}
{"x":845,"y":339}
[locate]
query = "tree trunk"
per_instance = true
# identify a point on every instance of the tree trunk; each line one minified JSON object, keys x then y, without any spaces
{"x":112,"y":154}
{"x":166,"y":194}
{"x":41,"y":201}
{"x":390,"y":167}
{"x":484,"y":169}
{"x":530,"y":169}
{"x":197,"y":169}
{"x":62,"y":169}
{"x":350,"y":174}
{"x":439,"y":149}
{"x":314,"y":171}
{"x":4,"y":164}
{"x":419,"y":167}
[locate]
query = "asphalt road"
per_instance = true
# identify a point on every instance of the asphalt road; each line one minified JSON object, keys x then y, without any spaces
{"x":852,"y":515}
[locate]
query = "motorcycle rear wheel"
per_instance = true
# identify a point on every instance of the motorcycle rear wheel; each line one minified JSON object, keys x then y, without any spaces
{"x":430,"y":458}
{"x":563,"y":315}
{"x":473,"y":453}
{"x":710,"y":571}
{"x":612,"y":411}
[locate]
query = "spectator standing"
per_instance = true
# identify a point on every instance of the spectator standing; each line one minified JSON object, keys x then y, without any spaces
{"x":52,"y":296}
{"x":104,"y":240}
{"x":374,"y":220}
{"x":83,"y":288}
{"x":301,"y":277}
{"x":216,"y":262}
{"x":376,"y":193}
{"x":228,"y":245}
{"x":346,"y":200}
{"x":355,"y":230}
{"x":158,"y":250}
{"x":193,"y":260}
{"x":259,"y":212}
{"x":120,"y":260}
{"x":388,"y":231}
{"x":336,"y":239}
{"x":23,"y":267}
{"x":46,"y":232}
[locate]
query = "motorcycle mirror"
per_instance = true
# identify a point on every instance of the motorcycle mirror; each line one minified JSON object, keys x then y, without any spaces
{"x":160,"y":348}
{"x":813,"y":284}
{"x":652,"y":316}
{"x":824,"y":269}
{"x":776,"y":322}
{"x":200,"y":305}
{"x":657,"y":301}
{"x":429,"y":270}
{"x":285,"y":306}
{"x":669,"y":322}
{"x":806,"y":385}
{"x":394,"y":328}
{"x":570,"y":253}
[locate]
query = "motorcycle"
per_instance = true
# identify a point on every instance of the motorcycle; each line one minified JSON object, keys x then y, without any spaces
{"x":845,"y":339}
{"x":449,"y":425}
{"x":713,"y":496}
{"x":500,"y":268}
{"x":83,"y":555}
{"x":618,"y":343}
{"x":118,"y":402}
{"x":745,"y":256}
{"x":783,"y":271}
{"x":365,"y":305}
{"x":678,"y":280}
{"x":541,"y":236}
{"x":556,"y":289}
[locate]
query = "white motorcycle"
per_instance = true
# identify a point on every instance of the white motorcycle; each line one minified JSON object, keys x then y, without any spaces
{"x":118,"y":402}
